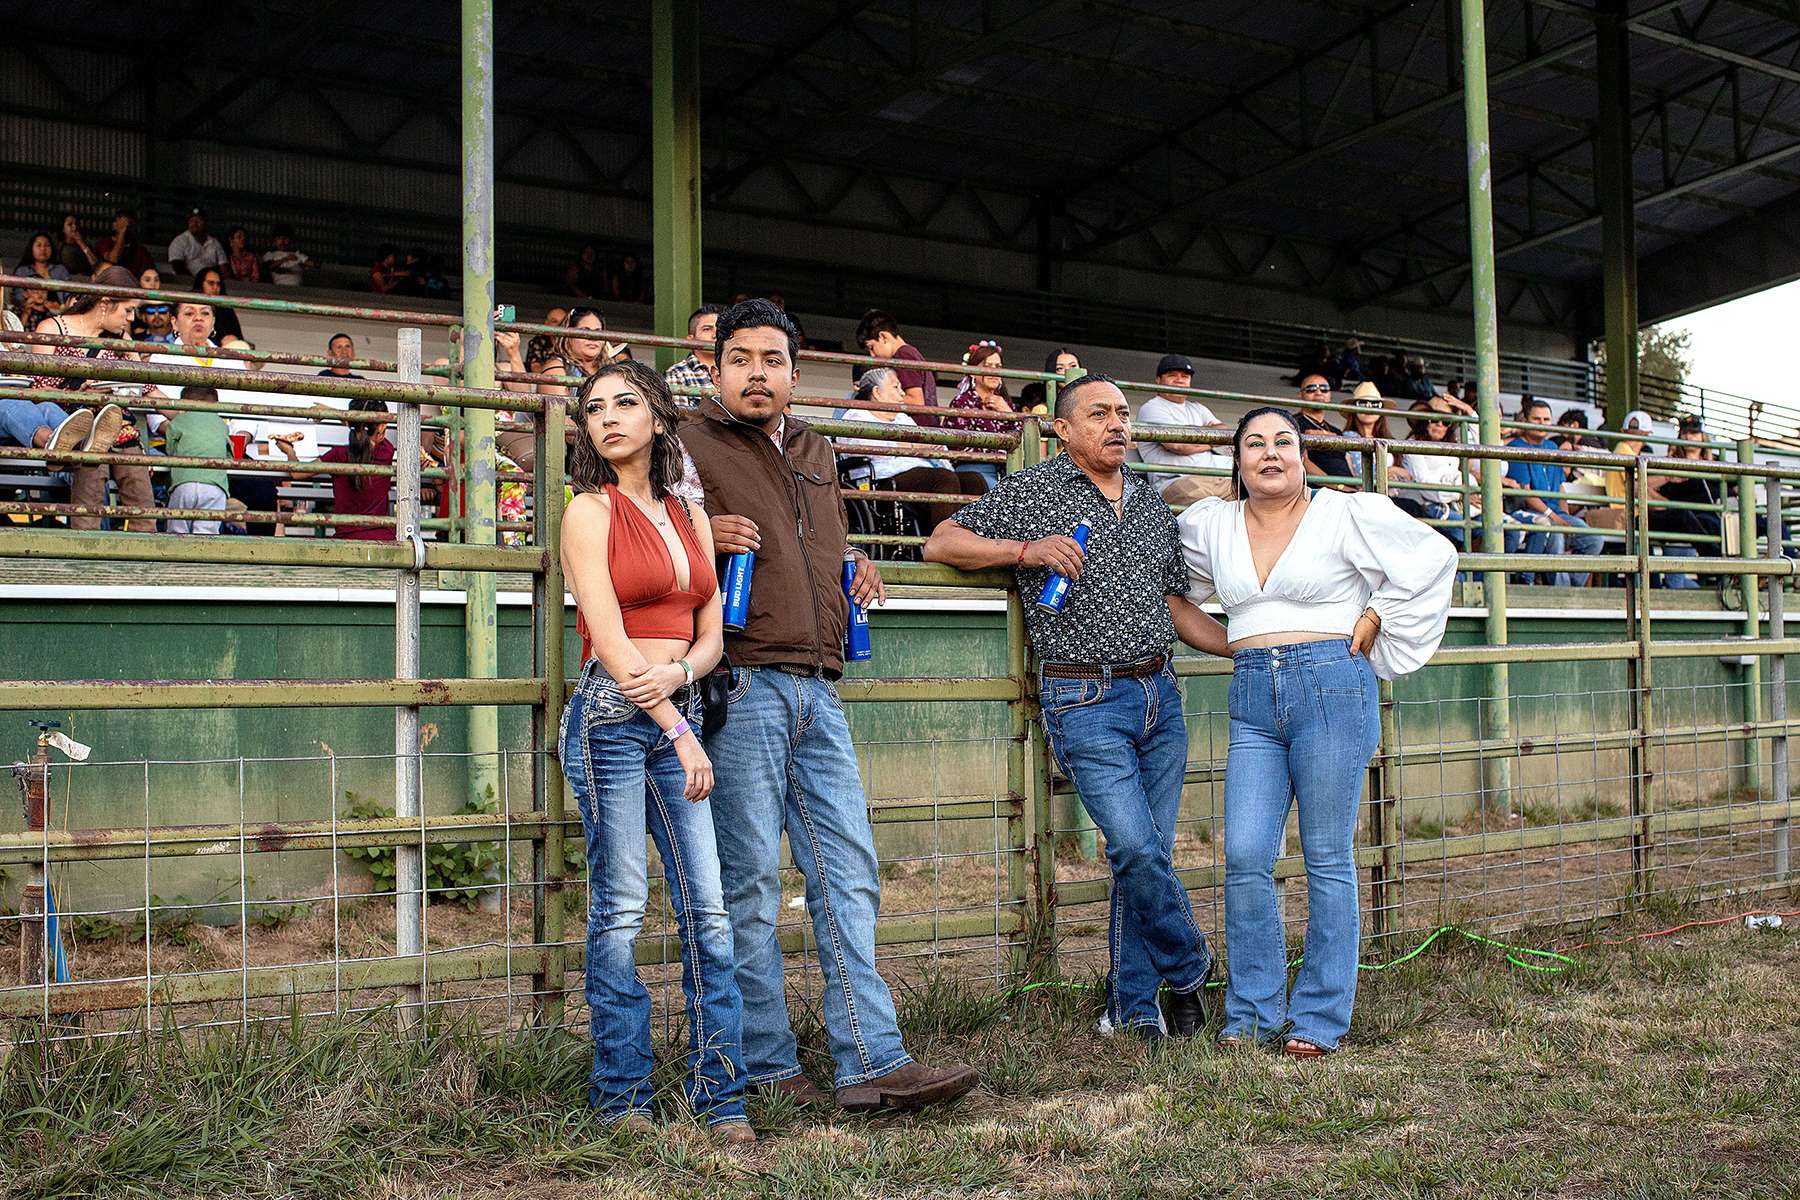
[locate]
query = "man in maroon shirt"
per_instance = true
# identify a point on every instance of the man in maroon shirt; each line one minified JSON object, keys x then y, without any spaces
{"x":123,"y":248}
{"x":879,"y":335}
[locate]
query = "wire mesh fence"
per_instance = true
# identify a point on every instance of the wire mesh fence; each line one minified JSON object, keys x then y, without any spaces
{"x":1595,"y":777}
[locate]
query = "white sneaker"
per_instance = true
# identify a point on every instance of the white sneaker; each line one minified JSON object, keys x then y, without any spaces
{"x":74,"y":431}
{"x":109,"y":422}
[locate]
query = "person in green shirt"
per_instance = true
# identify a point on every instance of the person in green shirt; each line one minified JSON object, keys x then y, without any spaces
{"x":197,"y":435}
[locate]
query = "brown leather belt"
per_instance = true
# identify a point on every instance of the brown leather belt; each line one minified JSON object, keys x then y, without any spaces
{"x":1136,"y":670}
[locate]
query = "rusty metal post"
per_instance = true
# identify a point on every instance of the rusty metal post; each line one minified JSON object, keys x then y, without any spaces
{"x":1779,"y":744}
{"x":34,"y":788}
{"x":409,"y":861}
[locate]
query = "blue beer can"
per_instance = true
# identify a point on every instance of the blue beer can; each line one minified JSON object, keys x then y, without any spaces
{"x":1056,"y":588}
{"x":856,"y":633}
{"x":736,"y":589}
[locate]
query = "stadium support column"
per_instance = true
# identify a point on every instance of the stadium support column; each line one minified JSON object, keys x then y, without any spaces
{"x":1496,"y":710}
{"x":478,"y":372}
{"x":675,"y":166}
{"x":1618,"y":217}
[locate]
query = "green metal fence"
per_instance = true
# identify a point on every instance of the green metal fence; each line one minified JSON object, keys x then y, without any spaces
{"x":1674,"y":777}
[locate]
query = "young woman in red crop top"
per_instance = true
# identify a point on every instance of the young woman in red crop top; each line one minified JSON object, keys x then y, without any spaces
{"x":639,"y":562}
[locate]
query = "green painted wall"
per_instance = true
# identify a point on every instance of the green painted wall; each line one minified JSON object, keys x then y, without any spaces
{"x":190,"y":759}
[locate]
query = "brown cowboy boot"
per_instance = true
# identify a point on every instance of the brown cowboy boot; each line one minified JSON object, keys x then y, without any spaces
{"x":914,"y":1085}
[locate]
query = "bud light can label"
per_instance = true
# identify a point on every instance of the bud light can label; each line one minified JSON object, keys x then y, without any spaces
{"x":856,"y":633}
{"x":1056,"y":588}
{"x":736,"y":589}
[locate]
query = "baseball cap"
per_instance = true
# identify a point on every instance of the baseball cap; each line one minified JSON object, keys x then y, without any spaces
{"x":1173,"y":362}
{"x":196,"y":211}
{"x":1637,"y":418}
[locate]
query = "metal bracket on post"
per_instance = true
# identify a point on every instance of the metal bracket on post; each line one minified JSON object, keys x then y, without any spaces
{"x":409,"y":872}
{"x":1779,"y":745}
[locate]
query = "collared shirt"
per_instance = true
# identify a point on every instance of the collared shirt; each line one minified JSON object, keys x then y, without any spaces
{"x":690,"y":372}
{"x":195,"y":254}
{"x":1117,"y":612}
{"x":1537,"y":476}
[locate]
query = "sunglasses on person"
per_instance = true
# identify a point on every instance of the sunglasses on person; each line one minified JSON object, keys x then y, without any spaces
{"x":1320,"y":389}
{"x":154,"y":310}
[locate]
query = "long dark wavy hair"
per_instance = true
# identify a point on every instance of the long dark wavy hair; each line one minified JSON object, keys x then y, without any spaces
{"x":588,"y":472}
{"x":1237,"y":442}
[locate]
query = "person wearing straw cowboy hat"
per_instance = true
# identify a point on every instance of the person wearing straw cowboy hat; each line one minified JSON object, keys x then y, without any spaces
{"x":1370,"y":423}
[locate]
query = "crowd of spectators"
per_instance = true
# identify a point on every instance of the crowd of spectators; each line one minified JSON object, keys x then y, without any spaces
{"x":1552,"y":509}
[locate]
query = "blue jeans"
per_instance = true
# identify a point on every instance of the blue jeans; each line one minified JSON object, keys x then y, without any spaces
{"x":988,"y":471}
{"x":1550,"y":538}
{"x":1123,"y":743}
{"x":1304,"y":722}
{"x":627,"y":778}
{"x":21,"y":419}
{"x":1445,"y":512}
{"x":784,"y":761}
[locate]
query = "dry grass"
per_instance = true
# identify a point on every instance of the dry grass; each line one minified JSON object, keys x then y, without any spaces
{"x":1662,"y":1068}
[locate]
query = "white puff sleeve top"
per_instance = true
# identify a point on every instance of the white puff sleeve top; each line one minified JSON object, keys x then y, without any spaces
{"x":1351,"y":551}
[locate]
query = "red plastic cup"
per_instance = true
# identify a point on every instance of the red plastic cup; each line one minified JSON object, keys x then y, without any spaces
{"x":239,"y":443}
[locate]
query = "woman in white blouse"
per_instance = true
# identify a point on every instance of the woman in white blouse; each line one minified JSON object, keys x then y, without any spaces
{"x":1323,"y":591}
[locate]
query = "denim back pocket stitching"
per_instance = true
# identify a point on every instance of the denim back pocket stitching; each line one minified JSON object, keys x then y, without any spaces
{"x":606,"y":704}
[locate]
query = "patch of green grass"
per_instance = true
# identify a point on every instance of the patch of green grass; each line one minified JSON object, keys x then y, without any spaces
{"x":1660,"y":1068}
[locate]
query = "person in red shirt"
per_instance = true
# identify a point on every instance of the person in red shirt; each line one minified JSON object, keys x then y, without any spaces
{"x":358,"y":495}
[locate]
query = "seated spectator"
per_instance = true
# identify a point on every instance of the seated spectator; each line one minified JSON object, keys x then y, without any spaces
{"x":1557,"y":530}
{"x":40,"y":260}
{"x":1316,"y":390}
{"x":211,"y":282}
{"x":1704,"y":528}
{"x":285,"y":265}
{"x":150,"y":280}
{"x":194,"y":249}
{"x":72,"y":250}
{"x":1316,"y":359}
{"x":1417,"y":385}
{"x":1175,"y":372}
{"x":1578,"y":437}
{"x":196,"y":435}
{"x":1369,"y":423}
{"x":695,"y":371}
{"x":35,"y":306}
{"x":1349,"y":363}
{"x":879,"y":336}
{"x":425,"y":275}
{"x":1035,"y":397}
{"x":881,"y":385}
{"x":358,"y":495}
{"x":542,"y":346}
{"x":1438,"y":503}
{"x":240,"y":260}
{"x":122,"y":248}
{"x":193,"y":335}
{"x":982,"y":393}
{"x":586,"y":276}
{"x":92,"y":316}
{"x":387,"y":276}
{"x":155,"y":322}
{"x":630,"y":284}
{"x":341,"y":349}
{"x":39,"y":424}
{"x":1388,"y":373}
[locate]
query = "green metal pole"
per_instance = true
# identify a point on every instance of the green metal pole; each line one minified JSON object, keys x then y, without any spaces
{"x":1618,"y":218}
{"x":478,"y":372}
{"x":551,"y":617}
{"x":675,"y":167}
{"x":1752,"y":767}
{"x":1497,"y":710}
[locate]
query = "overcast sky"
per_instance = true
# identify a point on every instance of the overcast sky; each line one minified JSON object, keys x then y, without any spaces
{"x":1746,"y":346}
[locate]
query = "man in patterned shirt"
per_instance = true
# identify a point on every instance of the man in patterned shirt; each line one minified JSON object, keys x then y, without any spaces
{"x":695,"y":371}
{"x":1111,"y":706}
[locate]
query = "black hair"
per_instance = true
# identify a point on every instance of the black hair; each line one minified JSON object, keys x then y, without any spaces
{"x":705,"y":310}
{"x":1050,"y":359}
{"x":1573,"y":418}
{"x":755,"y":314}
{"x":1065,"y":395}
{"x":362,"y":444}
{"x":340,"y":334}
{"x":874,"y":323}
{"x":209,"y":395}
{"x":1527,"y":403}
{"x":589,"y":472}
{"x":1237,"y":440}
{"x":25,"y":259}
{"x":282,"y":230}
{"x":200,"y":279}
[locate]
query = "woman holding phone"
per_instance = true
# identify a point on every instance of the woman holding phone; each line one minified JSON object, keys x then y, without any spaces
{"x":1324,"y":591}
{"x":639,"y":563}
